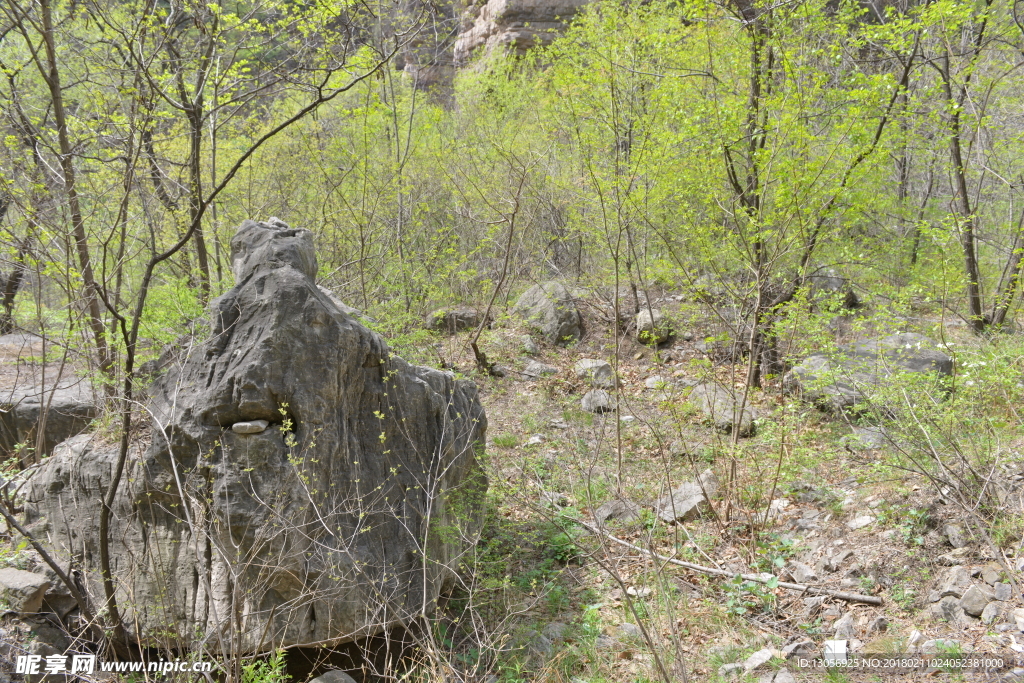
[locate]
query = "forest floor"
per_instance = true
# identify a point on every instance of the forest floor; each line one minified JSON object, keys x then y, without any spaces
{"x":807,"y":499}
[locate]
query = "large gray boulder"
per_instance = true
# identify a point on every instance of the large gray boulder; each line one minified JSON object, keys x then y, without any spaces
{"x":348,"y":514}
{"x":842,"y":380}
{"x":21,"y":591}
{"x":59,"y":409}
{"x":551,"y":309}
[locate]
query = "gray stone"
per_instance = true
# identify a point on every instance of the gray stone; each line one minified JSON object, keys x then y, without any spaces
{"x":878,"y":625}
{"x":733,"y":669}
{"x":757,"y":660}
{"x":553,"y":499}
{"x":721,"y":406}
{"x":798,"y":648}
{"x":1018,"y":618}
{"x":597,"y":372}
{"x":652,"y":327}
{"x":955,"y":535}
{"x":687,"y":501}
{"x":974,"y":600}
{"x":801,"y":573}
{"x":994,"y":611}
{"x":454,"y":319}
{"x":829,"y":285}
{"x":658,"y":382}
{"x":844,"y":627}
{"x":954,"y":558}
{"x":597,"y":401}
{"x":345,"y":308}
{"x":859,"y":522}
{"x":250,"y":427}
{"x":540,"y":646}
{"x":350,"y":514}
{"x":813,"y":606}
{"x":603,"y":642}
{"x":535,"y":369}
{"x":334,"y":676}
{"x":784,"y":676}
{"x":630,"y":630}
{"x":833,"y":563}
{"x":1003,"y":591}
{"x":530,"y":346}
{"x":555,"y":630}
{"x":22,"y":591}
{"x":839,"y":382}
{"x":868,"y":437}
{"x":551,"y":309}
{"x":624,"y":511}
{"x":953,"y":582}
{"x":937,"y":645}
{"x":65,"y":408}
{"x":991,"y":573}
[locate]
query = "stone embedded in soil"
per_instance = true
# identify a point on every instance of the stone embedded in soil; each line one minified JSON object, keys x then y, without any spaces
{"x":993,"y":612}
{"x":624,"y":511}
{"x":1003,"y":591}
{"x":934,"y":646}
{"x":845,"y":629}
{"x":955,"y":535}
{"x":991,"y":573}
{"x":860,"y":521}
{"x":801,"y":573}
{"x":1018,"y":618}
{"x":597,"y":401}
{"x":799,"y":648}
{"x":757,"y":660}
{"x":784,"y":676}
{"x":878,"y":625}
{"x":535,"y":369}
{"x":730,"y":669}
{"x":529,"y":345}
{"x":688,"y":500}
{"x":974,"y":601}
{"x":958,"y":556}
{"x":948,"y":609}
{"x":598,"y":372}
{"x":22,"y":591}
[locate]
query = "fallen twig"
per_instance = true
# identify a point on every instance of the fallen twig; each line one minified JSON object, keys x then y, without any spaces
{"x":757,"y":578}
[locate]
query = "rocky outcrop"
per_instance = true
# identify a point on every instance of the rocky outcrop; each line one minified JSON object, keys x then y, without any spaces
{"x":550,"y":308}
{"x":511,"y":25}
{"x":347,"y":514}
{"x":60,"y":410}
{"x":839,"y":381}
{"x":722,"y":407}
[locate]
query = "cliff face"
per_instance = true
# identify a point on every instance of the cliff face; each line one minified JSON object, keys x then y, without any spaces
{"x":515,"y":25}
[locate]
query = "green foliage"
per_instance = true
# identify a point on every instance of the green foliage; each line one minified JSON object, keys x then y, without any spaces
{"x":269,"y":670}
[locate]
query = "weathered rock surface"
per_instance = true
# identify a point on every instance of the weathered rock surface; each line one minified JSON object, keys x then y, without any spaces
{"x":652,"y":327}
{"x":21,"y":591}
{"x":721,"y":406}
{"x":688,"y":500}
{"x":839,"y":382}
{"x":67,"y":406}
{"x":349,"y":513}
{"x":334,"y":676}
{"x":455,"y":319}
{"x":511,"y":25}
{"x":625,"y":511}
{"x":597,"y":401}
{"x":551,"y":309}
{"x":598,"y":372}
{"x":535,"y":369}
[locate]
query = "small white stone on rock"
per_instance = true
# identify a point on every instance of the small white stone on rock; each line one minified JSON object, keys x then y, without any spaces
{"x":250,"y":427}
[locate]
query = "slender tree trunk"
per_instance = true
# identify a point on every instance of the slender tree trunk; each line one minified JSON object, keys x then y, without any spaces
{"x":67,"y":165}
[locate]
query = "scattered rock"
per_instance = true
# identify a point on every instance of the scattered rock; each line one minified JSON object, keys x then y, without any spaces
{"x":994,"y":611}
{"x":798,"y":648}
{"x":732,"y":669}
{"x":867,"y":437}
{"x":845,"y":628}
{"x":535,"y":369}
{"x":974,"y":601}
{"x":955,"y":535}
{"x":624,"y":511}
{"x":250,"y":427}
{"x":860,"y":521}
{"x":1018,"y":618}
{"x":334,"y":676}
{"x":22,"y":591}
{"x":948,"y":609}
{"x":604,"y":642}
{"x":454,"y":319}
{"x":720,"y":406}
{"x":757,"y":660}
{"x":630,"y":630}
{"x":597,"y":372}
{"x":535,"y":440}
{"x":530,"y":346}
{"x":553,"y":499}
{"x":658,"y":382}
{"x":991,"y":573}
{"x":551,"y":309}
{"x":1003,"y":591}
{"x":801,"y":573}
{"x":784,"y":676}
{"x":833,"y":563}
{"x":652,"y":327}
{"x":555,"y":630}
{"x":813,"y":606}
{"x":957,"y":557}
{"x":598,"y":401}
{"x":840,"y":381}
{"x":687,"y":501}
{"x":877,"y":625}
{"x":540,"y":646}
